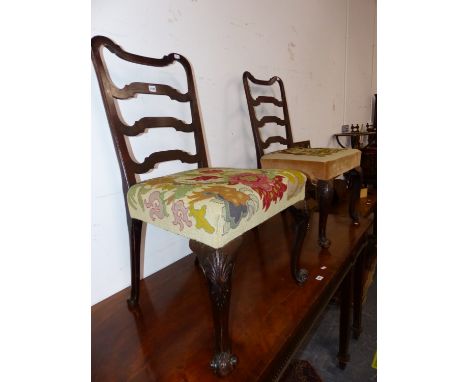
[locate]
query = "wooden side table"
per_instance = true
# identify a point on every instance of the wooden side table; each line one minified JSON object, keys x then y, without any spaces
{"x":355,"y":138}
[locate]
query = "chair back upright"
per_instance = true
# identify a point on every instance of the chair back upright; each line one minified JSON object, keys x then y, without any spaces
{"x":257,"y":124}
{"x":120,"y":129}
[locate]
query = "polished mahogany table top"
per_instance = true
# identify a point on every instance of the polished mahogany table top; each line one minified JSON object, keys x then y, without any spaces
{"x":170,"y":337}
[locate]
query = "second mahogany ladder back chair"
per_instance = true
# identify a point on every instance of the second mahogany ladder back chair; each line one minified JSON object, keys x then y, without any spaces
{"x":213,"y":207}
{"x":261,"y":145}
{"x":321,"y":165}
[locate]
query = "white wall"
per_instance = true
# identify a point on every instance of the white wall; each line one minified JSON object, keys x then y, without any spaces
{"x":322,"y":49}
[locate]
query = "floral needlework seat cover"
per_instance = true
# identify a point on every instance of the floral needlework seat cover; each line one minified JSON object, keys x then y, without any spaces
{"x":318,"y":163}
{"x":215,"y":205}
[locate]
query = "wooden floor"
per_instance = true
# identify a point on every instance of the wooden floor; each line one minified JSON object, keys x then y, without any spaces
{"x":170,"y":337}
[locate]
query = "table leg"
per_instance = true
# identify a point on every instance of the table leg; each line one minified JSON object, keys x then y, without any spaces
{"x":217,"y":266}
{"x":345,"y":316}
{"x":325,"y":198}
{"x":357,"y":295}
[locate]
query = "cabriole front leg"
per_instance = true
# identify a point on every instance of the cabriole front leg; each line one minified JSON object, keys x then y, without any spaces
{"x":301,"y":217}
{"x":355,"y":184}
{"x":325,"y":198}
{"x":217,"y":266}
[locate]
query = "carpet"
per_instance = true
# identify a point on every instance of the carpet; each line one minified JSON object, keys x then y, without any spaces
{"x":300,"y":371}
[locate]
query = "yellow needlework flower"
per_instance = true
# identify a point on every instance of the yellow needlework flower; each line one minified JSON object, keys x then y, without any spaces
{"x":229,"y":194}
{"x":199,"y":216}
{"x":160,"y":180}
{"x":296,"y":180}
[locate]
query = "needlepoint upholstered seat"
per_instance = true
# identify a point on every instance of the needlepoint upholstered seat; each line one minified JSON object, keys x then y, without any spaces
{"x":213,"y":207}
{"x":321,"y":165}
{"x":318,"y":163}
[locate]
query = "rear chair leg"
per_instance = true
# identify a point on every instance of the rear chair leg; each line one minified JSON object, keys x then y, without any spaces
{"x":355,"y":183}
{"x":301,"y":219}
{"x":217,"y":266}
{"x":134,"y":230}
{"x":325,"y":198}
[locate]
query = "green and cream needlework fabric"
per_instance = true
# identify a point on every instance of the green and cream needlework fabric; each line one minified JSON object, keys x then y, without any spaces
{"x":318,"y":163}
{"x":215,"y":205}
{"x":316,"y":152}
{"x":321,"y":154}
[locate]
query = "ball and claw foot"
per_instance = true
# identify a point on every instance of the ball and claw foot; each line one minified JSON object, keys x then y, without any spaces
{"x":223,"y":363}
{"x":301,"y":276}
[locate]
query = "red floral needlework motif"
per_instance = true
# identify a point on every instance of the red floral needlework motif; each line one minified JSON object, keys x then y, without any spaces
{"x":210,"y":171}
{"x":268,"y":189}
{"x":205,"y":177}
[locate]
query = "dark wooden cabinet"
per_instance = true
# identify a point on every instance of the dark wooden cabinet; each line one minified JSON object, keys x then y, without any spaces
{"x":369,"y":153}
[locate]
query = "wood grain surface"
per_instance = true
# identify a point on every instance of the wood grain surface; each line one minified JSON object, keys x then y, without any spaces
{"x":170,"y":337}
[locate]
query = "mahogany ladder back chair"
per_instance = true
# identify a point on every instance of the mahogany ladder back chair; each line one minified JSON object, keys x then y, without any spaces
{"x":321,"y":165}
{"x":212,"y":207}
{"x":119,"y":130}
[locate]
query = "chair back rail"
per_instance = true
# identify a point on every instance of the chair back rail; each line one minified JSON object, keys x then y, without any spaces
{"x":119,"y":129}
{"x":256,"y":123}
{"x":154,"y":122}
{"x":131,"y":90}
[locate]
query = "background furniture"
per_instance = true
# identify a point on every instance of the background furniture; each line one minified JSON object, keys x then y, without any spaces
{"x":369,"y":151}
{"x":212,"y":207}
{"x":320,"y":165}
{"x":356,"y":138}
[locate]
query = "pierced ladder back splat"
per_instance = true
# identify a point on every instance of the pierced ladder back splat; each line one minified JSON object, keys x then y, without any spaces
{"x":252,"y":102}
{"x":119,"y":129}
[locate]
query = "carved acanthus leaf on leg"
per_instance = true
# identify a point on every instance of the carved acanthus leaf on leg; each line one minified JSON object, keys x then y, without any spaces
{"x":217,"y":266}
